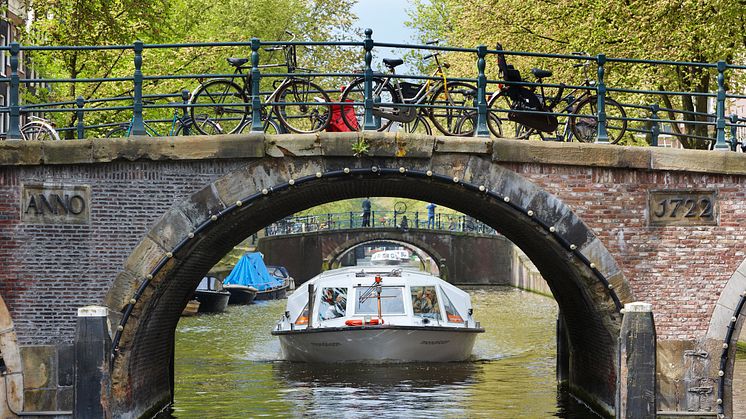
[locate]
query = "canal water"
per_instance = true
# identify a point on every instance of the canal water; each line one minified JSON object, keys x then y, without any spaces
{"x":228,"y":365}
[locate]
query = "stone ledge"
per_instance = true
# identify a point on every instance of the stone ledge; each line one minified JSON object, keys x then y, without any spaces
{"x":401,"y":145}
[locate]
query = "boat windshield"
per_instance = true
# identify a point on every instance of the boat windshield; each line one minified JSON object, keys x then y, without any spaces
{"x":333,"y":303}
{"x":425,"y":302}
{"x":451,"y":312}
{"x":392,"y":301}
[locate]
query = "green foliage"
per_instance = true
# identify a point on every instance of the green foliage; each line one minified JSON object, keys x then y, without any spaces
{"x":680,"y":30}
{"x":360,"y":147}
{"x":121,"y":22}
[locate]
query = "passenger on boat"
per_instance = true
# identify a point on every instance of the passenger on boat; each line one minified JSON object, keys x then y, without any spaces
{"x":335,"y":300}
{"x":422,"y":303}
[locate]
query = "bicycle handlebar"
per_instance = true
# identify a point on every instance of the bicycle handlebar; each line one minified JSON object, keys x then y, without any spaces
{"x":273,"y":49}
{"x":433,"y":42}
{"x":429,"y":56}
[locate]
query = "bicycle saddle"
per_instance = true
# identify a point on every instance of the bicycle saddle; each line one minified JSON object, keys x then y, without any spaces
{"x":238,"y":62}
{"x":540,"y":74}
{"x":393,"y":62}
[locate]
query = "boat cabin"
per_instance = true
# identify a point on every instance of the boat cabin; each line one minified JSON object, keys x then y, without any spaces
{"x":350,"y":297}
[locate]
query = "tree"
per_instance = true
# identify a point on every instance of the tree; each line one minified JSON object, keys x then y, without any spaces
{"x":702,"y":31}
{"x":121,"y":22}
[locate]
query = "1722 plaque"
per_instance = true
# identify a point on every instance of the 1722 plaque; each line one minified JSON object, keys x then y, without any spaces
{"x":683,"y":207}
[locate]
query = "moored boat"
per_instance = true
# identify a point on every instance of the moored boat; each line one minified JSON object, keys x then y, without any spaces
{"x":211,"y":295}
{"x":249,"y":280}
{"x":377,"y":315}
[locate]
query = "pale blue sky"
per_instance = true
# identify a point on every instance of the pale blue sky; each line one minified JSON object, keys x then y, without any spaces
{"x":386,"y":18}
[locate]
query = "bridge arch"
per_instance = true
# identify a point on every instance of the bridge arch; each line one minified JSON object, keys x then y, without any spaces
{"x":726,"y":325}
{"x":420,"y":247}
{"x":166,"y":266}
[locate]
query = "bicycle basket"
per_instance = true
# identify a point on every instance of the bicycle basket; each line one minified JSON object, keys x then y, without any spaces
{"x":409,"y":90}
{"x":524,"y":100}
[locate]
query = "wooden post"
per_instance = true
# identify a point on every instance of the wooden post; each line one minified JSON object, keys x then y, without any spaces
{"x":92,"y":364}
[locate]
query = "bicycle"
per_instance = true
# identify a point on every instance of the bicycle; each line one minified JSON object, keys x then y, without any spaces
{"x":39,"y":129}
{"x":298,"y":103}
{"x":181,"y":124}
{"x":535,"y":117}
{"x":446,"y":99}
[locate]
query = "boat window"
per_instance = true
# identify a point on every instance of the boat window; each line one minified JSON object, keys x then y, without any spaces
{"x":451,"y":312}
{"x":333,"y":303}
{"x":425,"y":302}
{"x":392,"y":301}
{"x":303,"y":317}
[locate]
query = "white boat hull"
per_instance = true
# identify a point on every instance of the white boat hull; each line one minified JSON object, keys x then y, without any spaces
{"x":378,"y":344}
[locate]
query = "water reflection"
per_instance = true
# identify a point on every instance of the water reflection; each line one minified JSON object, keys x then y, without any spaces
{"x":229,"y":366}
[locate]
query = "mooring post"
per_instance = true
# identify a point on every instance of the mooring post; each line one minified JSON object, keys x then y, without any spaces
{"x":92,"y":362}
{"x":733,"y":132}
{"x":636,"y":380}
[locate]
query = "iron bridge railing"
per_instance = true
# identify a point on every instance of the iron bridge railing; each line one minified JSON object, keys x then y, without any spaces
{"x":642,"y":115}
{"x":404,"y":220}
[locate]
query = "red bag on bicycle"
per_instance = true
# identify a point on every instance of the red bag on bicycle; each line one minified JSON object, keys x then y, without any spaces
{"x":337,"y":124}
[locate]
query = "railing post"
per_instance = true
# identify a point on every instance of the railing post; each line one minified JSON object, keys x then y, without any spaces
{"x":481,"y":130}
{"x":720,"y":143}
{"x":351,"y":224}
{"x":372,"y":218}
{"x":369,"y":123}
{"x":602,"y":135}
{"x":138,"y":125}
{"x":656,"y":129}
{"x":185,"y":96}
{"x":14,"y":130}
{"x":733,"y":132}
{"x":256,"y":77}
{"x":417,"y":219}
{"x":79,"y":115}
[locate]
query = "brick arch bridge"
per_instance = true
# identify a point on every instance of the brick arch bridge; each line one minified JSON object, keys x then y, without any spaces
{"x":308,"y":254}
{"x":159,"y":213}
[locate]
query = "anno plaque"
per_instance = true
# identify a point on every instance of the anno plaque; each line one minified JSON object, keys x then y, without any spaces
{"x":44,"y":203}
{"x":686,"y":207}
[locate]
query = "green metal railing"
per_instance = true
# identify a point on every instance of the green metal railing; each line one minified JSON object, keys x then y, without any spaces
{"x":723,"y":131}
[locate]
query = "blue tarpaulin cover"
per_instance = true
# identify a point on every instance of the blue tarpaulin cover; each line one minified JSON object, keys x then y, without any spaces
{"x":251,"y":271}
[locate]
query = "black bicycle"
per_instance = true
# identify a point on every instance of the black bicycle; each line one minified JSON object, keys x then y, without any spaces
{"x":299,"y":105}
{"x":531,"y":113}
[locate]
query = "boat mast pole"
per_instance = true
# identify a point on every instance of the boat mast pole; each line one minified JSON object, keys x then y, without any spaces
{"x":378,"y":293}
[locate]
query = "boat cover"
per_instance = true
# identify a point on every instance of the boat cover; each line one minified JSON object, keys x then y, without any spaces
{"x":251,"y":271}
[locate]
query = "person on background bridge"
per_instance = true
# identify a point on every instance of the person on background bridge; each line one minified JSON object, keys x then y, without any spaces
{"x":366,"y":212}
{"x":431,"y":215}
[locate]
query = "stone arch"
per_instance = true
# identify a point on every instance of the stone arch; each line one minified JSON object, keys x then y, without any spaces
{"x":421,"y":254}
{"x":383,"y":236}
{"x":11,"y":385}
{"x":726,"y":324}
{"x":166,"y":266}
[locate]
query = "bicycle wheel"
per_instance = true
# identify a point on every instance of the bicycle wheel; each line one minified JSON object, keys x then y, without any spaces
{"x":270,"y":127}
{"x":121,"y":131}
{"x":202,"y":126}
{"x":221,"y":102}
{"x":355,"y":92}
{"x":500,"y":125}
{"x":418,"y":126}
{"x":466,"y":125}
{"x":303,"y":107}
{"x":39,"y":131}
{"x":585,"y":128}
{"x":448,"y":106}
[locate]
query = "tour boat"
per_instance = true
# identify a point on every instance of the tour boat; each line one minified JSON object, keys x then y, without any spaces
{"x":386,"y":257}
{"x":377,"y":315}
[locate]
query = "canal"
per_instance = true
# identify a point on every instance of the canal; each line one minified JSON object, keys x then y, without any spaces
{"x":228,"y":365}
